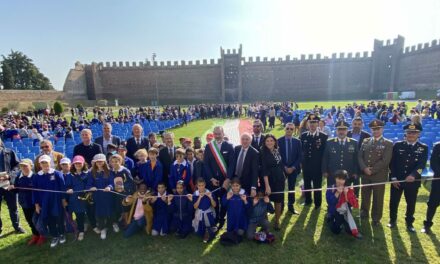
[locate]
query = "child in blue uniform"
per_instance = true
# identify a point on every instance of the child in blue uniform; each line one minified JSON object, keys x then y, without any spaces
{"x":180,"y":171}
{"x":150,"y":171}
{"x":237,"y":205}
{"x":24,"y":180}
{"x":124,"y":184}
{"x":204,"y":204}
{"x":181,"y":209}
{"x":65,"y":165}
{"x":99,"y":178}
{"x":77,"y":181}
{"x":141,"y":165}
{"x":160,"y":207}
{"x":49,"y":205}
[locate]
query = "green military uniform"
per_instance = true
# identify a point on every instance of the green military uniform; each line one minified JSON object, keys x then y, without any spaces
{"x":374,"y":154}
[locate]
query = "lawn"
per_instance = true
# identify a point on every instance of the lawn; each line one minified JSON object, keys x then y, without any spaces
{"x":303,"y":239}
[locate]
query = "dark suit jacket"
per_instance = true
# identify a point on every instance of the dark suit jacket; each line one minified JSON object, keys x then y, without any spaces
{"x":100,"y":141}
{"x":295,"y":151}
{"x":211,"y":167}
{"x":364,"y":135}
{"x":257,"y":145}
{"x":249,"y":174}
{"x":166,"y":161}
{"x":132,"y":147}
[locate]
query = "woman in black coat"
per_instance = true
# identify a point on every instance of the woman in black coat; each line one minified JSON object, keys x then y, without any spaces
{"x":273,"y":174}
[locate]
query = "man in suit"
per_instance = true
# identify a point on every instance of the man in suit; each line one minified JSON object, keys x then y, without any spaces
{"x":408,"y":161}
{"x":137,"y":141}
{"x":257,"y":135}
{"x":167,"y":155}
{"x":340,"y":153}
{"x":87,"y":148}
{"x":218,"y":159}
{"x":313,"y":145}
{"x":434,"y":196}
{"x":47,"y":149}
{"x":356,"y":132}
{"x":107,"y":138}
{"x":374,"y":159}
{"x":291,"y":155}
{"x":245,"y":165}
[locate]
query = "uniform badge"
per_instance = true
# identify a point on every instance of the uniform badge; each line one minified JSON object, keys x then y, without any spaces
{"x":52,"y":177}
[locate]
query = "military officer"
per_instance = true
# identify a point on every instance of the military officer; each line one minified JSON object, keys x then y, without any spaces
{"x":313,"y":145}
{"x":341,"y":153}
{"x":434,"y":197}
{"x":408,"y":161}
{"x":374,"y":159}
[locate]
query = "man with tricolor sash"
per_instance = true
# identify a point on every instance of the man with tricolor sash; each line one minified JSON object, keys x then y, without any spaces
{"x":218,"y":159}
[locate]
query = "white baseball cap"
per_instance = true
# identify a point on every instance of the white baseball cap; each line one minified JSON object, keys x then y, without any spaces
{"x":65,"y":161}
{"x":44,"y":158}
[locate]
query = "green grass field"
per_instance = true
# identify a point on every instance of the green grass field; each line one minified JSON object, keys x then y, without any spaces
{"x":303,"y":239}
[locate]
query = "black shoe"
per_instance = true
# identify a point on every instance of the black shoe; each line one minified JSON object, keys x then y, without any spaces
{"x":392,"y":224}
{"x":426,"y":230}
{"x":317,"y":207}
{"x":293,"y":211}
{"x":20,"y":230}
{"x":376,"y":223}
{"x":410,"y":228}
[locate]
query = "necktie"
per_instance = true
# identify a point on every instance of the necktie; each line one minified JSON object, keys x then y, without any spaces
{"x":170,"y":150}
{"x":289,"y":147}
{"x":239,"y":168}
{"x":138,"y":141}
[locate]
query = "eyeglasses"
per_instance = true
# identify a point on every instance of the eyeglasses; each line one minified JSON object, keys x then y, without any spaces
{"x":289,"y":128}
{"x":257,"y":126}
{"x":44,"y":147}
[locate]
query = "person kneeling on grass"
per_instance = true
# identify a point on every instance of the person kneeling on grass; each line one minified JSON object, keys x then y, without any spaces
{"x":181,"y":209}
{"x":340,"y":199}
{"x":161,"y":216}
{"x":141,"y":212}
{"x":261,"y":205}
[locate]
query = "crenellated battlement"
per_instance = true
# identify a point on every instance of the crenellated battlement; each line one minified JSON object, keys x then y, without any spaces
{"x":422,"y":47}
{"x":157,"y":64}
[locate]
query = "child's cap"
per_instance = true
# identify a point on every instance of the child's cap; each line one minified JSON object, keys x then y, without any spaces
{"x":99,"y":157}
{"x":78,"y":159}
{"x":44,"y":158}
{"x":65,"y":161}
{"x":26,"y":162}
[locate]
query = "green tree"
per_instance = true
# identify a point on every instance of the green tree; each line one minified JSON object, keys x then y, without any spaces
{"x":58,"y":108}
{"x":7,"y":77}
{"x":26,"y":75}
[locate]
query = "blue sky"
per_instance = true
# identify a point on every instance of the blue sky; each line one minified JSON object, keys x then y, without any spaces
{"x":55,"y":34}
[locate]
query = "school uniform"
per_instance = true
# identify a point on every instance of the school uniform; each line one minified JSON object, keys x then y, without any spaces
{"x":204,"y":217}
{"x":181,"y":210}
{"x":150,"y":173}
{"x":237,"y":220}
{"x":161,"y":216}
{"x":50,"y":202}
{"x":180,"y":172}
{"x":77,"y":182}
{"x":25,"y":199}
{"x":103,"y":201}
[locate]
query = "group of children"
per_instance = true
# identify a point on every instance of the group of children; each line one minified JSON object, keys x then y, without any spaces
{"x":107,"y":195}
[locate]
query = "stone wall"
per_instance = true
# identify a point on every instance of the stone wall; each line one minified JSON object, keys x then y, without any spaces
{"x":7,"y":96}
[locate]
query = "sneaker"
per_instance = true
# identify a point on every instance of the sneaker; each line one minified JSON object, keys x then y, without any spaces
{"x":206,"y":237}
{"x":426,"y":230}
{"x":103,"y":234}
{"x":20,"y":230}
{"x":54,"y":242}
{"x":97,"y":230}
{"x":80,"y":236}
{"x":33,"y":240}
{"x":154,"y":232}
{"x":162,"y":233}
{"x":115,"y":227}
{"x":41,"y":240}
{"x":62,"y":239}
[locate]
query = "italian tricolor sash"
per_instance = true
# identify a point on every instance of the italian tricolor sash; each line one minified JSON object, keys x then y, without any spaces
{"x":218,"y":157}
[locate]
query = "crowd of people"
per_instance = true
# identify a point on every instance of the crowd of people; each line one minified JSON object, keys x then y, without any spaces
{"x":141,"y":184}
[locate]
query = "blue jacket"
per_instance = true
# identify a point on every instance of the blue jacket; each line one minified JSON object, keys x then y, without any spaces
{"x":24,"y":196}
{"x":76,"y":182}
{"x":151,"y":177}
{"x":295,"y":153}
{"x":179,"y":172}
{"x":50,"y":202}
